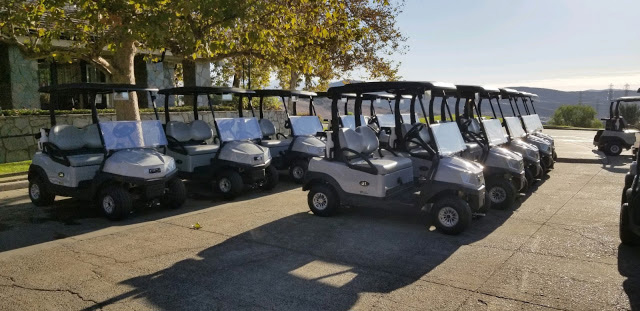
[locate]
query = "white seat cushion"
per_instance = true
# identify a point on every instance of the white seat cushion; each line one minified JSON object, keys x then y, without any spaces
{"x":86,"y":159}
{"x":201,"y":149}
{"x":273,"y":143}
{"x":386,"y":165}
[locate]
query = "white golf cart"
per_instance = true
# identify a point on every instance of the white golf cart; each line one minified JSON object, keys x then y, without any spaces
{"x":114,"y":163}
{"x":355,"y":173}
{"x":616,"y":135}
{"x":237,"y":160}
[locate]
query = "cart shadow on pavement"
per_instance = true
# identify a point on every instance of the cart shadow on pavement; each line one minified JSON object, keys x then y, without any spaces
{"x":618,"y":164}
{"x":305,"y":262}
{"x":24,"y":224}
{"x":629,"y":266}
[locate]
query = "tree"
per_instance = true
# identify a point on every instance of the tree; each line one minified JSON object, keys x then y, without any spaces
{"x":630,"y":113}
{"x":575,"y":115}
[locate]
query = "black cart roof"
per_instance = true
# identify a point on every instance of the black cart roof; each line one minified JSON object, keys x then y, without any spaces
{"x":193,"y":90}
{"x":98,"y":88}
{"x":509,"y":92}
{"x":628,"y":99}
{"x":284,"y":93}
{"x":472,"y":89}
{"x":346,"y":95}
{"x":394,"y":87}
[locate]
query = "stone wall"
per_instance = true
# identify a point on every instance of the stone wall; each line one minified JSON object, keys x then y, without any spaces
{"x":24,"y":80}
{"x":160,"y":75}
{"x":14,"y":146}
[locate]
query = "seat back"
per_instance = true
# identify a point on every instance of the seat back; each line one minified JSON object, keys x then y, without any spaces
{"x":369,"y":139}
{"x":180,"y":131}
{"x":348,"y":138}
{"x":66,"y":137}
{"x":474,"y":127}
{"x":200,"y":130}
{"x":91,"y":137}
{"x":267,"y":128}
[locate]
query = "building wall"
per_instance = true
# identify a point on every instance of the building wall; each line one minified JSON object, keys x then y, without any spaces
{"x":203,"y":78}
{"x":160,"y":75}
{"x":24,"y":80}
{"x":17,"y":142}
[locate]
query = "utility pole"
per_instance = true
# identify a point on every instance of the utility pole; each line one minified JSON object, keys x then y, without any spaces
{"x":610,"y":92}
{"x":626,"y":89}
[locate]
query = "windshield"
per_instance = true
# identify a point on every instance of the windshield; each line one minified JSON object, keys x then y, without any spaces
{"x":307,"y":125}
{"x":515,"y":127}
{"x":386,"y":120}
{"x":350,"y":121}
{"x":448,"y":138}
{"x":406,"y":118}
{"x":532,"y":123}
{"x":238,"y":129}
{"x":132,"y":134}
{"x":495,"y":132}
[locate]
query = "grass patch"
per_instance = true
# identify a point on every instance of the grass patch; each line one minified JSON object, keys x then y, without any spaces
{"x":14,"y":167}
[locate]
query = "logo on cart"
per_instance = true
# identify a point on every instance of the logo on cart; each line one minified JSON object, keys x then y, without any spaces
{"x":154,"y":170}
{"x":364,"y":183}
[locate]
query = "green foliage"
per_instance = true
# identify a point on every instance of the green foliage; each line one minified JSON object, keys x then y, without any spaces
{"x":14,"y":167}
{"x":576,"y":115}
{"x":630,"y":113}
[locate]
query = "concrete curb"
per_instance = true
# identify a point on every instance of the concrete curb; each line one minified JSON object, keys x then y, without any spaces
{"x":13,"y":174}
{"x":13,"y":185}
{"x":586,"y":161}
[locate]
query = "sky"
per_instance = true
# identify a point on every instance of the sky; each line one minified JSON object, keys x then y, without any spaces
{"x":567,"y":45}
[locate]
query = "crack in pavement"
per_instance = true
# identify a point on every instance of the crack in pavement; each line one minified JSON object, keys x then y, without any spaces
{"x":74,"y":293}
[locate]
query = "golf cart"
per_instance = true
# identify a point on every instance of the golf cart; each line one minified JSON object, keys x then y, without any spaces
{"x":112,"y":162}
{"x":532,"y":120}
{"x":514,"y":132}
{"x":514,"y":126}
{"x":352,"y":173}
{"x":503,"y":169}
{"x":615,"y":135}
{"x":237,"y":160}
{"x":304,"y":141}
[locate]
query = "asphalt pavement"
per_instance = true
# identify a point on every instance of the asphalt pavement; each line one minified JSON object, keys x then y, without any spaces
{"x":557,"y":250}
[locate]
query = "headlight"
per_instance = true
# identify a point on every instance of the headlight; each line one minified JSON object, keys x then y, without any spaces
{"x":473,"y":180}
{"x":533,"y":153}
{"x":171,"y":165}
{"x":516,"y":165}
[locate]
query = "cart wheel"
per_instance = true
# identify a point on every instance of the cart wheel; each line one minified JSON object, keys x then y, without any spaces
{"x":229,"y":183}
{"x":175,"y":194}
{"x":115,"y":202}
{"x":628,"y":181}
{"x":554,"y":155}
{"x":528,"y":175}
{"x":627,"y":236}
{"x":502,"y":193}
{"x":323,"y":200}
{"x":297,"y":170}
{"x":451,"y":215}
{"x":525,"y":186}
{"x":271,"y":178}
{"x":38,"y":192}
{"x":613,"y":149}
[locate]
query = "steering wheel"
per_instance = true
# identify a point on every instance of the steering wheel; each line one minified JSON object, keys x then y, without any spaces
{"x":413,"y":132}
{"x":122,"y":130}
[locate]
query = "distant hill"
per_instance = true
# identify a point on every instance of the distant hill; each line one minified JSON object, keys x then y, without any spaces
{"x":546,"y":104}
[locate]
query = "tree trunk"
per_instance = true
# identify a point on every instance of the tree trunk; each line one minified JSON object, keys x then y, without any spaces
{"x":293,"y":84}
{"x":123,"y":72}
{"x":236,"y":80}
{"x":189,"y":79}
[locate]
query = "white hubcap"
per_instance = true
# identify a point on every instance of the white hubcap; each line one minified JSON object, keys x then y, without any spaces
{"x":298,"y":172}
{"x":225,"y":185}
{"x":497,"y":195}
{"x":320,"y":201}
{"x":35,"y":191}
{"x":108,"y":205}
{"x":448,"y":216}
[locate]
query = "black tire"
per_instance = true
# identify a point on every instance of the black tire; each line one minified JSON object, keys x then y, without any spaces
{"x":323,"y":200}
{"x":627,"y":236}
{"x":528,"y":175}
{"x":628,"y":181}
{"x":39,"y":193}
{"x":175,"y":194}
{"x":487,"y":204}
{"x":502,"y":193}
{"x":451,"y":215}
{"x":271,"y":178}
{"x":613,"y":149}
{"x":229,"y":183}
{"x":298,"y":169}
{"x":544,"y":167}
{"x":554,"y":155}
{"x":115,"y":202}
{"x":525,"y":186}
